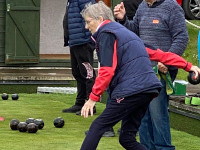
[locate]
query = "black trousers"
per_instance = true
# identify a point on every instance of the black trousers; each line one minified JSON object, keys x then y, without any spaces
{"x":130,"y":110}
{"x":82,"y":70}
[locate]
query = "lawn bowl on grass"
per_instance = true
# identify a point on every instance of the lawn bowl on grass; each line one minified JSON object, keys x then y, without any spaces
{"x":32,"y":128}
{"x":22,"y":127}
{"x":59,"y":122}
{"x":30,"y":120}
{"x":4,"y":96}
{"x":39,"y":123}
{"x":14,"y":123}
{"x":70,"y":137}
{"x":15,"y":97}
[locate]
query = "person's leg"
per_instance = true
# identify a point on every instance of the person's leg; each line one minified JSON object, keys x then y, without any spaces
{"x":146,"y":131}
{"x":160,"y":121}
{"x":96,"y":130}
{"x":85,"y":65}
{"x":113,"y":113}
{"x":110,"y":131}
{"x":77,"y":73}
{"x":81,"y":87}
{"x":155,"y":127}
{"x":83,"y":70}
{"x":163,"y":140}
{"x":155,"y":130}
{"x":102,"y":123}
{"x":131,"y":123}
{"x":91,"y":76}
{"x":86,"y":78}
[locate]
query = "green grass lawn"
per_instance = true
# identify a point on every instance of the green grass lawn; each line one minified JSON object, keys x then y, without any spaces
{"x":71,"y":136}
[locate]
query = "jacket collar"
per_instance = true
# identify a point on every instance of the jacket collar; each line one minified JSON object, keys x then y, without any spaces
{"x":94,"y":36}
{"x":156,"y":3}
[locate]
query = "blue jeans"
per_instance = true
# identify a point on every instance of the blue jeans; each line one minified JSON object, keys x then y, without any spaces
{"x":154,"y":130}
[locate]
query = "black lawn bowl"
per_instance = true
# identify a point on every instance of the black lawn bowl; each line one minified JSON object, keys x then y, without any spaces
{"x":32,"y":128}
{"x":15,"y":97}
{"x":39,"y":123}
{"x":22,"y":127}
{"x":191,"y":78}
{"x":30,"y":120}
{"x":4,"y":96}
{"x":13,"y":124}
{"x":59,"y":122}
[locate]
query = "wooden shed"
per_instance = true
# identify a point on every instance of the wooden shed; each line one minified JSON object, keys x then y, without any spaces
{"x":31,"y":33}
{"x":31,"y":38}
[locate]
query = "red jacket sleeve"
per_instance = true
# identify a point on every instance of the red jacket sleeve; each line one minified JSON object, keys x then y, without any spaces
{"x":169,"y":58}
{"x":104,"y":77}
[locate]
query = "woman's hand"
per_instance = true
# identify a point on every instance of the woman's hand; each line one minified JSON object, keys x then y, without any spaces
{"x":88,"y":107}
{"x":162,"y":68}
{"x":196,"y":70}
{"x":119,"y":11}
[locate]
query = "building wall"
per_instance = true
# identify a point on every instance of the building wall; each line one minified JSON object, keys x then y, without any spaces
{"x":51,"y":29}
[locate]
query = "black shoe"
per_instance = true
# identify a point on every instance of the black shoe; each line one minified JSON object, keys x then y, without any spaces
{"x":72,"y":109}
{"x":109,"y":133}
{"x":94,"y":112}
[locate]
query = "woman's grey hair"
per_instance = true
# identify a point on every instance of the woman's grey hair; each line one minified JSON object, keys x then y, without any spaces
{"x":96,"y":10}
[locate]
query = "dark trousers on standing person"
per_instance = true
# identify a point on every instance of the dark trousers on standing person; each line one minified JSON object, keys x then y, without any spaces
{"x":130,"y":110}
{"x":82,"y":70}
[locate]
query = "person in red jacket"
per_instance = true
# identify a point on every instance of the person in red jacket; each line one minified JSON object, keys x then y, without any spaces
{"x":124,"y":67}
{"x":131,"y":7}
